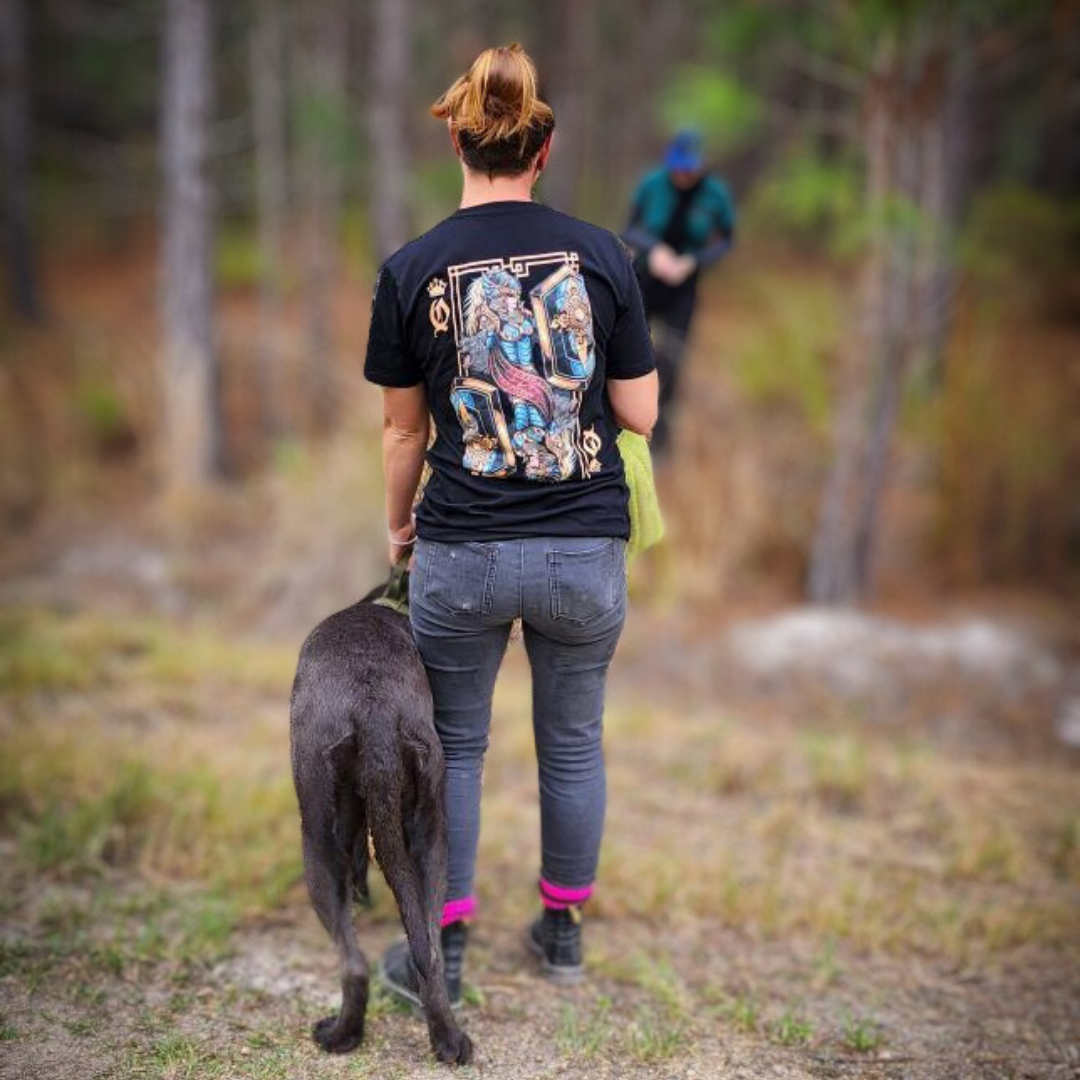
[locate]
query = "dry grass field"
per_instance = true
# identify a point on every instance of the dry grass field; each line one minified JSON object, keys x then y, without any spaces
{"x":860,"y":859}
{"x":790,"y":886}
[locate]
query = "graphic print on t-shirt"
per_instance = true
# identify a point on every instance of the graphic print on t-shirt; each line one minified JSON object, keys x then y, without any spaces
{"x":525,"y":360}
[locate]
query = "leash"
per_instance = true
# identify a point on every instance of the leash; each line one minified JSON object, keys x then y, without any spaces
{"x":396,"y":594}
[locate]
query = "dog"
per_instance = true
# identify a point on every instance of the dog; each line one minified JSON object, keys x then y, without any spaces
{"x":366,"y":761}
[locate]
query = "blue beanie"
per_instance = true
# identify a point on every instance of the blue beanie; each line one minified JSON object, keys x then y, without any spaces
{"x":684,"y":152}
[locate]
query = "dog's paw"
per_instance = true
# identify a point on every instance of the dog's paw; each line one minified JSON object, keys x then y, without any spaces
{"x":457,"y":1050}
{"x":328,"y":1034}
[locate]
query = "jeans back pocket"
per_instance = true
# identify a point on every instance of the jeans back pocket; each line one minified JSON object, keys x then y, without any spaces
{"x":459,"y":578}
{"x":585,"y":584}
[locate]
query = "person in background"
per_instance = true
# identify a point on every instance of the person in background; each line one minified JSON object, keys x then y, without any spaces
{"x":682,"y":220}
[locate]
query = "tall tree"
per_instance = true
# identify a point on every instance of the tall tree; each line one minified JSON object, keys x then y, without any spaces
{"x":913,"y":148}
{"x":15,"y":110}
{"x":322,"y":59}
{"x":390,"y":101}
{"x":271,"y":167}
{"x":570,"y":63}
{"x":193,"y":426}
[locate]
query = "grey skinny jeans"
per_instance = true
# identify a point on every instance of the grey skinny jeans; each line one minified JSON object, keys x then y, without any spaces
{"x":570,"y":593}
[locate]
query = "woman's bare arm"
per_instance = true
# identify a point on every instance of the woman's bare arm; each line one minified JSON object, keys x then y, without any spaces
{"x":635,"y":402}
{"x":405,"y":437}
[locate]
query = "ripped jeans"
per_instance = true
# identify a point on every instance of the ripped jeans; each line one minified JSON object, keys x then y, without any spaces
{"x":570,"y":593}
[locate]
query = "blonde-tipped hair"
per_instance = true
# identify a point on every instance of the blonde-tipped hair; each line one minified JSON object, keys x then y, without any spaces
{"x":496,"y":106}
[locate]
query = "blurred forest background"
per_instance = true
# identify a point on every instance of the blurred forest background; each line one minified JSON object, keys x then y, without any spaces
{"x":844,"y":836}
{"x":885,"y":373}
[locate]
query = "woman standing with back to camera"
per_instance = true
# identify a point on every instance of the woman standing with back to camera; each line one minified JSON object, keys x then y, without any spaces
{"x":521,"y":332}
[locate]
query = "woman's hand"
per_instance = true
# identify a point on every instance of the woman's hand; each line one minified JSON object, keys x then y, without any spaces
{"x":401,"y":543}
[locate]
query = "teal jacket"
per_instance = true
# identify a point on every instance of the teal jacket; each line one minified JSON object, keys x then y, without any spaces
{"x":711,"y":213}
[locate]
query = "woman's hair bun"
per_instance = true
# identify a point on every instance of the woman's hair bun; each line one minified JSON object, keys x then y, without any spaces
{"x":497,"y":100}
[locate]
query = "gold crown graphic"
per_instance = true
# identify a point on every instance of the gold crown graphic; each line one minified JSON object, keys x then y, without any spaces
{"x":436,"y":287}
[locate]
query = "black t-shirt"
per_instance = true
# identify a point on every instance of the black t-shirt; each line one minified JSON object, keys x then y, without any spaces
{"x":513,"y":316}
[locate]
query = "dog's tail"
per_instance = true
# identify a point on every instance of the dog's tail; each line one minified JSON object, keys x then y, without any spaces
{"x":406,"y":815}
{"x":424,"y":753}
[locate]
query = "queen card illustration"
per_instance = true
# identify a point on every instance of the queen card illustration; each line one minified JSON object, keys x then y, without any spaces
{"x":526,"y":354}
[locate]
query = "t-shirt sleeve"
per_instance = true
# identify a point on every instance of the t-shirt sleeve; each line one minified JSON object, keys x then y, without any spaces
{"x":629,"y":351}
{"x":388,"y":361}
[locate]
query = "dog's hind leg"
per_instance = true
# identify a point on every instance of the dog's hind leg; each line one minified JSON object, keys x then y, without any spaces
{"x":426,"y":841}
{"x":330,"y":818}
{"x":448,"y":1041}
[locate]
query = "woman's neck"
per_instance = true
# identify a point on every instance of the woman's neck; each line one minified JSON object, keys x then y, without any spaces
{"x":479,"y":188}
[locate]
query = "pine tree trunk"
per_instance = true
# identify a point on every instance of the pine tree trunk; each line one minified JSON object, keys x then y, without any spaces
{"x":571,"y":64}
{"x":944,"y":131}
{"x":389,"y":141}
{"x":268,"y":109}
{"x":193,"y":430}
{"x":15,"y":118}
{"x":905,"y":293}
{"x":323,"y":67}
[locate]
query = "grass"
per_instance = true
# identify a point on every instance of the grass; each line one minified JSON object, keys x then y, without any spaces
{"x":84,"y":794}
{"x":43,"y":651}
{"x":741,"y":1011}
{"x":834,"y":832}
{"x":179,"y":1057}
{"x":838,"y":769}
{"x":655,"y":1036}
{"x":148,"y":817}
{"x":790,"y":1028}
{"x":661,"y":1026}
{"x":863,"y":1034}
{"x":585,"y":1035}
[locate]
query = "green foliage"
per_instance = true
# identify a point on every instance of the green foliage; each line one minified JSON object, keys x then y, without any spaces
{"x":1022,"y":240}
{"x":812,"y":200}
{"x":436,"y":190}
{"x":324,"y":122}
{"x":724,"y":110}
{"x":102,"y":410}
{"x":356,"y":239}
{"x":784,"y":362}
{"x":736,"y":32}
{"x":238,"y":264}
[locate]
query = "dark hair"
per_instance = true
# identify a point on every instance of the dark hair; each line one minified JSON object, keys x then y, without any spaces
{"x":497,"y":113}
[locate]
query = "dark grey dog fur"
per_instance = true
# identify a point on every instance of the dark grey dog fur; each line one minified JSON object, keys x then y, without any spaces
{"x":366,"y":759}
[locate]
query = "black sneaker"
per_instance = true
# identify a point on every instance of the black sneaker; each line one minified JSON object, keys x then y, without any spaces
{"x":398,"y":972}
{"x":556,"y":938}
